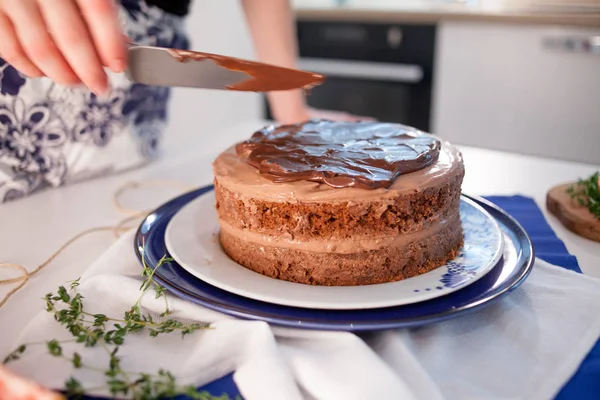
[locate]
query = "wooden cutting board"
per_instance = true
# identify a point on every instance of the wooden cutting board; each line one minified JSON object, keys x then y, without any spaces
{"x":573,"y":216}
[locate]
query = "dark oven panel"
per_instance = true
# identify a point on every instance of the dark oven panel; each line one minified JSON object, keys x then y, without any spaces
{"x":389,"y":43}
{"x":379,"y":70}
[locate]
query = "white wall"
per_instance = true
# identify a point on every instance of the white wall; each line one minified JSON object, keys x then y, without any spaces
{"x":214,"y":26}
{"x":498,"y":86}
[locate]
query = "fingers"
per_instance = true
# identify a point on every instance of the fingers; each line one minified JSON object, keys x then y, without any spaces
{"x":67,"y":40}
{"x":70,"y":33}
{"x":103,"y":24}
{"x":12,"y":51}
{"x":37,"y":42}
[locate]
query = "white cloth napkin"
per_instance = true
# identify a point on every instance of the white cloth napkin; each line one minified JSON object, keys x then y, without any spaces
{"x":525,"y":346}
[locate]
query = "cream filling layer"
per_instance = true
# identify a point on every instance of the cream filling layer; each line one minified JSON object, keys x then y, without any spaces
{"x":237,"y":176}
{"x":347,"y":246}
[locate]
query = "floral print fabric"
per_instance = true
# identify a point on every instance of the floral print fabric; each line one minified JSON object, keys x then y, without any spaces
{"x":52,"y":135}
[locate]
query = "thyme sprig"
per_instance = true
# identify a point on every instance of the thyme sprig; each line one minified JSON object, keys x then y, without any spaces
{"x":108,"y":333}
{"x":587,"y":193}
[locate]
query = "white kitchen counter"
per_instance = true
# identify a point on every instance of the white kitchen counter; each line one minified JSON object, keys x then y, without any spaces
{"x":33,"y":228}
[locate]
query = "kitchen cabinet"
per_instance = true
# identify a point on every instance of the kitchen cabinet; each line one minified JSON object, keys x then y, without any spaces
{"x":530,"y":89}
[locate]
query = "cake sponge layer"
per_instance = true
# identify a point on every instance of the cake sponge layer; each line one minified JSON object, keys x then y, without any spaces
{"x":387,"y":264}
{"x":401,"y":214}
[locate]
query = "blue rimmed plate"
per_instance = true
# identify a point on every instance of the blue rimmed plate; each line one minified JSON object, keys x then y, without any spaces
{"x":509,"y":272}
{"x":196,"y":248}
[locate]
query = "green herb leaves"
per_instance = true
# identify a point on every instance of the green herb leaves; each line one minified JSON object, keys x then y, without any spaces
{"x":109,"y":333}
{"x":587,"y":193}
{"x":16,"y":354}
{"x":54,"y":348}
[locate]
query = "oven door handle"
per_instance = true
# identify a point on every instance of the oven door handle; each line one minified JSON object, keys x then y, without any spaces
{"x":388,"y":72}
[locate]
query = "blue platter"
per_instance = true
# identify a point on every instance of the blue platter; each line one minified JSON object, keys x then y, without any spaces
{"x":512,"y":269}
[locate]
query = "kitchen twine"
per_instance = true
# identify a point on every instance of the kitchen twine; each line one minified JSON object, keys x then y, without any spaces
{"x":123,"y":226}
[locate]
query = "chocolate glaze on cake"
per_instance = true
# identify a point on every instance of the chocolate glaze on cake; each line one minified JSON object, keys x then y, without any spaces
{"x":312,"y":232}
{"x":370,"y":155}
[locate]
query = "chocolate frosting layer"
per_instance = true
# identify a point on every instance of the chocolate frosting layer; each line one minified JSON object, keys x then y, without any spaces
{"x":368,"y":155}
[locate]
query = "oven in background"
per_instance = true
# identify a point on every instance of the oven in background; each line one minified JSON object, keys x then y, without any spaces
{"x":383,"y":71}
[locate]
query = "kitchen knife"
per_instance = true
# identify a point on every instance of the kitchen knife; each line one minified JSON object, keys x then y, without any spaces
{"x":158,"y":66}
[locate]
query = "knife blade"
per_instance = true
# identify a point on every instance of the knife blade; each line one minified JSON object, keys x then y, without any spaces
{"x":158,"y":66}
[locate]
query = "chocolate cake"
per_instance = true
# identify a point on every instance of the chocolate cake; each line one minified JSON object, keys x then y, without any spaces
{"x":329,"y":203}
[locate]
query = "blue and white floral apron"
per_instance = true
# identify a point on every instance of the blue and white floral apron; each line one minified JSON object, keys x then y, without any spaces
{"x":52,"y":135}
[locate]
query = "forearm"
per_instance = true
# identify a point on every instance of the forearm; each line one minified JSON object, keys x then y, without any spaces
{"x":273,"y":31}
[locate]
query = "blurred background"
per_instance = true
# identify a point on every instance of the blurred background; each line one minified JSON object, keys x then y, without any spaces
{"x":513,"y":75}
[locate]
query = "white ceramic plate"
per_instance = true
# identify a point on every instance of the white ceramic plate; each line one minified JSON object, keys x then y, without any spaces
{"x":192,"y":240}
